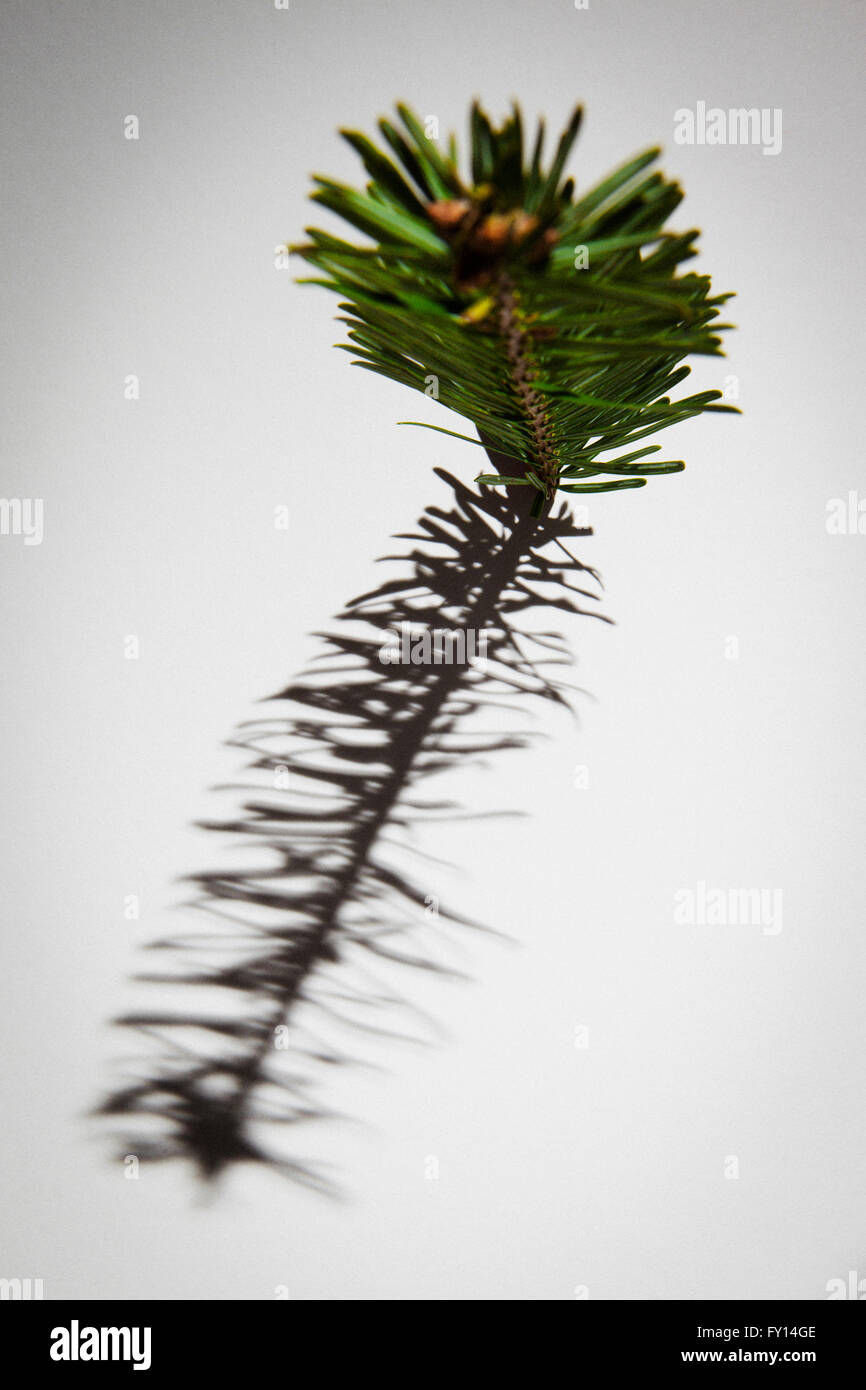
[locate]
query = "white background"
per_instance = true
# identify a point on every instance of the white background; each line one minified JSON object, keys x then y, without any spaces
{"x":559,"y":1167}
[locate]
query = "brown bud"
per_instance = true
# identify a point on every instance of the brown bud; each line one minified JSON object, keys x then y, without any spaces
{"x":448,"y":214}
{"x":544,"y":245}
{"x":491,"y":235}
{"x":524,"y":224}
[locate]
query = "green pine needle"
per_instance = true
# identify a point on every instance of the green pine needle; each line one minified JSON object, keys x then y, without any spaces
{"x":556,"y":325}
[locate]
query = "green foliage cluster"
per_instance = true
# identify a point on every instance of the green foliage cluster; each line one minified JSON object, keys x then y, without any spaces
{"x":556,"y":321}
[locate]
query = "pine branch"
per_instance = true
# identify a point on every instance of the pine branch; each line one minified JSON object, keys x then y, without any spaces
{"x":558,"y":326}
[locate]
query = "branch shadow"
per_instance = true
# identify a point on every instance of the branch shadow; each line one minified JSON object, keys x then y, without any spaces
{"x":393,"y":699}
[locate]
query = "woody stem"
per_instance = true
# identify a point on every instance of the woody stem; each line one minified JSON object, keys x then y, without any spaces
{"x":518,"y":351}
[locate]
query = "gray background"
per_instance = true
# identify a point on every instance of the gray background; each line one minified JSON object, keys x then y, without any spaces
{"x":560,"y":1168}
